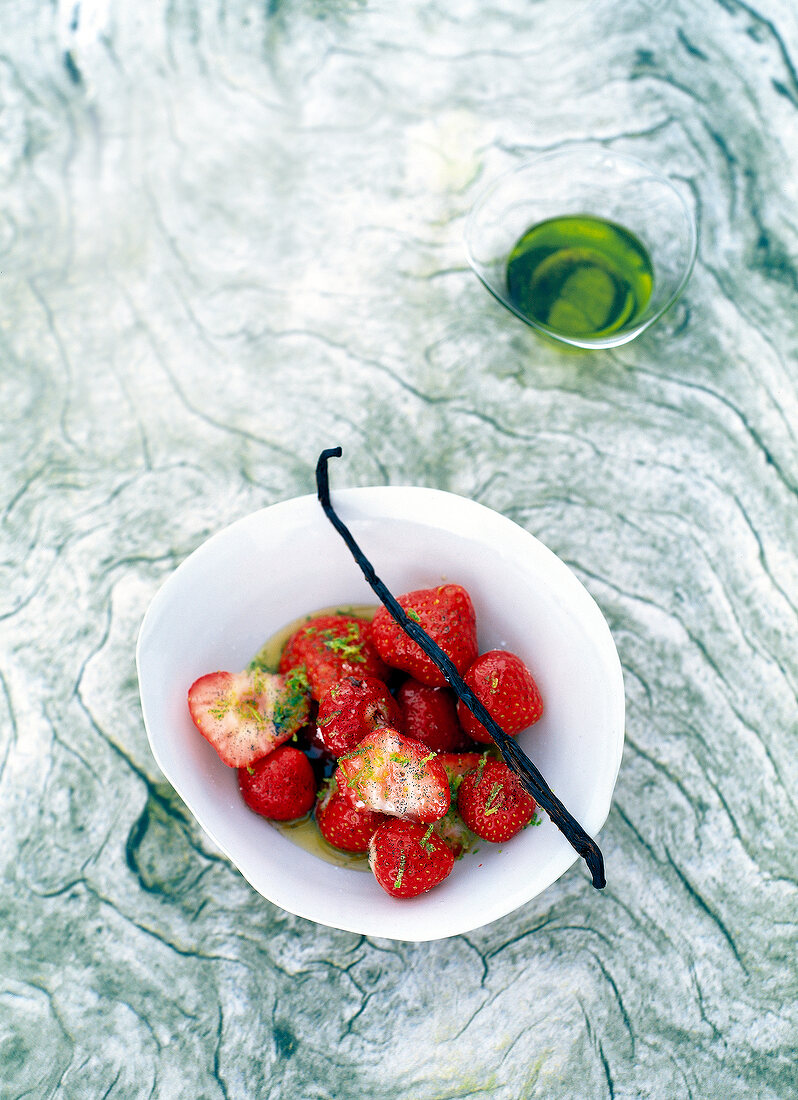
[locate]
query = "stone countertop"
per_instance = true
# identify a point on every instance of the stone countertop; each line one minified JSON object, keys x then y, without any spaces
{"x":231,"y":235}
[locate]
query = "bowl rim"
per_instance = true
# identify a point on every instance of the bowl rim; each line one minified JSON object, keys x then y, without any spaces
{"x":397,"y":501}
{"x":586,"y":149}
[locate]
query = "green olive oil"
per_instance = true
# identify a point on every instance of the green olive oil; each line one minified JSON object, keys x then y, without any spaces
{"x":579,"y":276}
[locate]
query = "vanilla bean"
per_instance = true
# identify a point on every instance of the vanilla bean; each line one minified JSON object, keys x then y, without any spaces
{"x":513,"y":755}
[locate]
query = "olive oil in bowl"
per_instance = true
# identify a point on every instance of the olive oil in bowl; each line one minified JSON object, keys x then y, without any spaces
{"x":579,"y":276}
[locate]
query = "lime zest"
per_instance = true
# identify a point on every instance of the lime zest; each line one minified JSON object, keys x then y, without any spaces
{"x":247,"y":709}
{"x":220,"y":708}
{"x":356,"y":752}
{"x":494,"y":794}
{"x":397,"y":882}
{"x":348,"y":646}
{"x":480,"y":768}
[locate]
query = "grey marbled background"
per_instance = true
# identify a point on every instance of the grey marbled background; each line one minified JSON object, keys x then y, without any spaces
{"x":230,"y":235}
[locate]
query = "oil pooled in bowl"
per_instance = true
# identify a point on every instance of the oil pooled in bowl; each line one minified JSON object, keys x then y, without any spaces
{"x":304,"y":832}
{"x":580,"y":276}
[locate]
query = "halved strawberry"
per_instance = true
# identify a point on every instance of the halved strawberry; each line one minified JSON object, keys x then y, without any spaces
{"x":245,"y":715}
{"x":504,"y":685}
{"x":332,"y":646}
{"x":408,"y":859}
{"x":493,"y":803}
{"x":351,"y":708}
{"x":281,"y":786}
{"x":343,"y":823}
{"x":430,"y":715}
{"x":446,"y":614}
{"x":396,"y":775}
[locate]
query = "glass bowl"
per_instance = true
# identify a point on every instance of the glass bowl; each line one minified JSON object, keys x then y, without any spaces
{"x":586,"y":183}
{"x":250,"y":579}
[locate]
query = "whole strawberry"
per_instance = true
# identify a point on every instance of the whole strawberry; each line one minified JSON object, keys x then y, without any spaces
{"x":396,"y":775}
{"x":458,"y":764}
{"x":504,"y":685}
{"x":343,"y":823}
{"x":408,"y":859}
{"x":430,"y":715}
{"x":446,"y":614}
{"x":351,"y":708}
{"x":281,"y":786}
{"x":332,"y":646}
{"x":492,"y":802}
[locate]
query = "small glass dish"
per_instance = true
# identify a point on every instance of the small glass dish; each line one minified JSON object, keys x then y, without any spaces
{"x":584,"y":185}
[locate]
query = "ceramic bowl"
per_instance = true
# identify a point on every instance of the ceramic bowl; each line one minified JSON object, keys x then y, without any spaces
{"x":262,"y":572}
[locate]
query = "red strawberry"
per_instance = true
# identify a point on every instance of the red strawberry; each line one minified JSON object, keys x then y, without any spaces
{"x":396,"y":775}
{"x":245,"y":715}
{"x":281,"y":786}
{"x":504,"y":685}
{"x":447,"y":615}
{"x":351,"y":708}
{"x":408,"y":859}
{"x":451,"y":826}
{"x":332,"y":646}
{"x":343,"y":823}
{"x":430,"y":715}
{"x":492,"y":802}
{"x":458,"y":764}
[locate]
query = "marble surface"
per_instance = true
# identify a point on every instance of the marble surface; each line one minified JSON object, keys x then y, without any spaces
{"x":231,"y":235}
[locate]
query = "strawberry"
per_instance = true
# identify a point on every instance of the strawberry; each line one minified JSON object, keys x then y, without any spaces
{"x":408,"y":859}
{"x":446,"y":614}
{"x":455,"y":833}
{"x":351,"y":708}
{"x":451,"y":826}
{"x":492,"y":802}
{"x":343,"y":823}
{"x":458,"y":764}
{"x":504,"y":685}
{"x":245,"y":715}
{"x":332,"y":646}
{"x":430,"y":715}
{"x":395,"y":775}
{"x":281,"y":786}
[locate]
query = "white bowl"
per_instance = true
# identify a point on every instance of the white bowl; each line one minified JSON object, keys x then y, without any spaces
{"x":267,"y":569}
